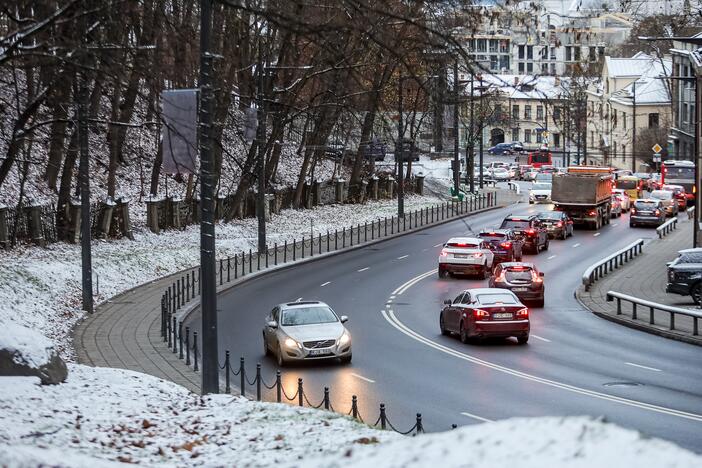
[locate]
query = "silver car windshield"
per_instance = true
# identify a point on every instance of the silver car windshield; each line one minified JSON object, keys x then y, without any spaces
{"x":541,"y":186}
{"x":307,"y":316}
{"x":496,"y":298}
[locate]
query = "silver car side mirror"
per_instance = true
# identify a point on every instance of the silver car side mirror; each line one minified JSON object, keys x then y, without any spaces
{"x":447,"y":301}
{"x":343,"y":319}
{"x":272,"y":324}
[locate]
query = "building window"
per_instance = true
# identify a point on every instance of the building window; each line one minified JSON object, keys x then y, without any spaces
{"x":521,"y":67}
{"x":569,"y":53}
{"x":556,"y":139}
{"x":482,"y":47}
{"x":577,"y":53}
{"x":504,"y":46}
{"x":515,"y":111}
{"x":515,"y":134}
{"x":553,"y":68}
{"x":493,"y":63}
{"x":544,"y":68}
{"x":527,"y":135}
{"x":556,"y":114}
{"x":521,"y":52}
{"x":539,"y":112}
{"x":553,"y":53}
{"x":592,"y":54}
{"x":527,"y":112}
{"x":530,"y":67}
{"x":493,"y":45}
{"x":539,"y":135}
{"x":530,"y":52}
{"x":624,"y":120}
{"x":652,"y":120}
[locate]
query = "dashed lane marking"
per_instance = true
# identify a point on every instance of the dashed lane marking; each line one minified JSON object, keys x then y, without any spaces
{"x":363,"y":378}
{"x":363,"y":269}
{"x":404,"y":256}
{"x":539,"y":338}
{"x":576,"y":245}
{"x":475,"y":416}
{"x":438,"y":245}
{"x":551,"y":257}
{"x":643,"y":367}
{"x":324,"y":284}
{"x":597,"y":234}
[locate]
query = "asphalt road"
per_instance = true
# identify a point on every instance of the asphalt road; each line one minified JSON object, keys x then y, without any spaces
{"x":574,"y":363}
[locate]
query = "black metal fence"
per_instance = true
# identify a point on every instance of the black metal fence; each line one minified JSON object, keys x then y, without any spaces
{"x":186,"y":288}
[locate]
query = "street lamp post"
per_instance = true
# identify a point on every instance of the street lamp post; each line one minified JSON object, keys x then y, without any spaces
{"x":400,"y":156}
{"x":261,"y":199}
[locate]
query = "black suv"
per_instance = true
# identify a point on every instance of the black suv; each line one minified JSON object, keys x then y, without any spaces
{"x":558,"y":224}
{"x":529,"y":229}
{"x":523,"y":279}
{"x":503,"y":244}
{"x":685,"y":274}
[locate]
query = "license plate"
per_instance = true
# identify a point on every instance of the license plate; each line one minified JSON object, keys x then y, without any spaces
{"x":319,"y":352}
{"x":520,"y":289}
{"x":644,"y":213}
{"x":460,"y":255}
{"x":506,"y":315}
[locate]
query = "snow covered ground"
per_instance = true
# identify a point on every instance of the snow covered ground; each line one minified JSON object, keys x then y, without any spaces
{"x":105,"y":417}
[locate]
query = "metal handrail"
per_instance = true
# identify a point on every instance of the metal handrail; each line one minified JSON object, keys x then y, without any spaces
{"x":691,"y":212}
{"x":609,"y":263}
{"x":667,"y":227}
{"x":515,"y":187}
{"x":652,"y":307}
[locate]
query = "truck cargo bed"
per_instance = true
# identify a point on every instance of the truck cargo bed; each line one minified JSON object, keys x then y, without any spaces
{"x":577,"y":189}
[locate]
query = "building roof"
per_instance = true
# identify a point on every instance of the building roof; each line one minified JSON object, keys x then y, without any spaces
{"x":533,"y":87}
{"x":650,"y":88}
{"x":628,"y":67}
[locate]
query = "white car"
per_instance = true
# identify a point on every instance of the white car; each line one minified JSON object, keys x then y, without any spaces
{"x":499,"y":173}
{"x":466,"y":255}
{"x":531,"y":174}
{"x":495,"y":164}
{"x":540,"y":192}
{"x":624,"y":199}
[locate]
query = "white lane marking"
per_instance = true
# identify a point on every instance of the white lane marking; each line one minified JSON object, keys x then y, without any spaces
{"x":363,"y":269}
{"x":392,"y":297}
{"x":363,"y":378}
{"x":392,"y":320}
{"x":576,"y":245}
{"x":614,"y":224}
{"x":424,"y":250}
{"x":551,"y":257}
{"x":643,"y":367}
{"x":475,"y":416}
{"x":412,"y":282}
{"x":324,"y":284}
{"x":597,"y":234}
{"x":404,"y":256}
{"x":539,"y":338}
{"x":438,"y":245}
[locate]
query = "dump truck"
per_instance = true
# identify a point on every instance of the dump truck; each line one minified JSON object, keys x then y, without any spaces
{"x":585,"y":193}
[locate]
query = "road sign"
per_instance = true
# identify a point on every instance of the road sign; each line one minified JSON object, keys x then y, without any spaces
{"x":657,"y":157}
{"x":657,"y":148}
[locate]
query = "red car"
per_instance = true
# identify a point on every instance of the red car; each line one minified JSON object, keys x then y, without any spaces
{"x":678,"y":193}
{"x":484,"y":313}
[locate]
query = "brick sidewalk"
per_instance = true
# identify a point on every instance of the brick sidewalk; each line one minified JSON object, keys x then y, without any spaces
{"x":645,"y":277}
{"x":125,"y":332}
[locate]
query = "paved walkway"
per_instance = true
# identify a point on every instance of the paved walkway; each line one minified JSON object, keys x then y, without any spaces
{"x":125,"y":332}
{"x":645,"y":277}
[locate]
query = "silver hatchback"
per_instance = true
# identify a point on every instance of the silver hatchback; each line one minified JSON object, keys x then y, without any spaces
{"x":306,"y":331}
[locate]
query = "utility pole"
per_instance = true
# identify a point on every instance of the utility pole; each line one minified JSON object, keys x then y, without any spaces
{"x":400,"y":156}
{"x":633,"y":130}
{"x":698,"y":166}
{"x":471,"y":166}
{"x":456,"y":163}
{"x":84,"y":170}
{"x":480,"y":136}
{"x":210,"y":359}
{"x":261,"y":199}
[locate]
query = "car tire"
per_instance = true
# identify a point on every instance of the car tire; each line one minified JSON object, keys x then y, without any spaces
{"x":522,"y":340}
{"x":631,"y":225}
{"x":546,"y":245}
{"x":696,"y":293}
{"x":346,"y":359}
{"x":442,"y":327}
{"x":266,"y":350}
{"x":279,"y":357}
{"x":442,"y":273}
{"x":464,"y":334}
{"x":531,"y":202}
{"x":539,"y":303}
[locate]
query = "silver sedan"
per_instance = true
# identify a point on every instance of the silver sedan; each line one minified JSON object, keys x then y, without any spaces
{"x":306,"y":331}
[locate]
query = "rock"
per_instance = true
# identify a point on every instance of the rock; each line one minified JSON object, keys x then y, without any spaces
{"x":24,"y":352}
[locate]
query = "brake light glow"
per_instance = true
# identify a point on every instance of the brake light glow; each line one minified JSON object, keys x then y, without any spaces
{"x":658,"y":212}
{"x":523,"y":313}
{"x":517,"y":268}
{"x":633,"y":210}
{"x":531,"y":232}
{"x":591,"y":213}
{"x":479,"y":313}
{"x":536,"y":278}
{"x":461,"y":245}
{"x":506,"y":245}
{"x":477,"y":255}
{"x":559,"y":224}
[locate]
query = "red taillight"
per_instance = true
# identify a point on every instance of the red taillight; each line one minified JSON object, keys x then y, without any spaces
{"x":477,"y":255}
{"x":444,"y":253}
{"x":559,"y":224}
{"x":633,"y":210}
{"x":517,"y":268}
{"x":530,"y":232}
{"x":523,"y":313}
{"x":592,"y":213}
{"x":536,"y":278}
{"x":506,"y":245}
{"x":658,"y":212}
{"x":479,"y":313}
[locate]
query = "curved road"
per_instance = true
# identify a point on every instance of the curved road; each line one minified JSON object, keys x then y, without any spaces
{"x":574,"y":364}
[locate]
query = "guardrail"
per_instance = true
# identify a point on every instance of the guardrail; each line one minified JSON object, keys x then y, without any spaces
{"x":514,"y":187}
{"x":667,"y":227}
{"x":691,"y":212}
{"x":611,"y":262}
{"x":652,"y":307}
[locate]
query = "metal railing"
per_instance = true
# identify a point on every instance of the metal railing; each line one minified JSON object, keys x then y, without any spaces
{"x":611,"y":262}
{"x":690,"y":212}
{"x":667,"y":227}
{"x":514,"y":187}
{"x":652,"y":308}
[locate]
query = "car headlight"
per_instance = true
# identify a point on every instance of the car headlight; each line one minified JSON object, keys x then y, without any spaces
{"x":345,"y":338}
{"x":290,"y":343}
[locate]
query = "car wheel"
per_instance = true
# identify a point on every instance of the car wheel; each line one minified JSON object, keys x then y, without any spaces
{"x":696,"y":293}
{"x":531,"y":202}
{"x":632,"y":225}
{"x":346,"y":359}
{"x":539,"y":303}
{"x":280,"y":359}
{"x":522,"y":339}
{"x":266,"y":350}
{"x":442,"y":327}
{"x":464,"y":334}
{"x":442,"y":273}
{"x":546,"y":244}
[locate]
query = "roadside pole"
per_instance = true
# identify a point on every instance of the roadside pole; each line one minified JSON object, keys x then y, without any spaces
{"x":456,"y":163}
{"x":84,"y":173}
{"x":399,"y":155}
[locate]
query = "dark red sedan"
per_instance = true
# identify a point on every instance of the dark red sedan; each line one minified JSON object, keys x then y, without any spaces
{"x":484,"y":313}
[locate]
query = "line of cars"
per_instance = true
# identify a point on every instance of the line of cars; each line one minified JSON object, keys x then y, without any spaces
{"x":497,"y":255}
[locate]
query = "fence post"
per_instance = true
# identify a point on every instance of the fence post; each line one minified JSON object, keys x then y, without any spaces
{"x":242,"y":376}
{"x":386,"y":227}
{"x":285,"y":251}
{"x":354,"y":406}
{"x":383,"y":417}
{"x":180,"y":340}
{"x":326,"y":398}
{"x":650,"y":315}
{"x":229,"y":269}
{"x":170,"y":332}
{"x":619,"y":306}
{"x":175,"y":335}
{"x":420,"y":427}
{"x":672,"y":320}
{"x":633,"y":310}
{"x":365,"y":231}
{"x":343,"y":237}
{"x":392,"y":225}
{"x":187,"y":346}
{"x":320,"y":244}
{"x":258,"y":261}
{"x":275,"y":254}
{"x":195,"y":351}
{"x":278,"y":386}
{"x":258,"y":381}
{"x":250,"y":257}
{"x":199,"y":281}
{"x":294,"y":250}
{"x":336,"y":239}
{"x":187,"y":287}
{"x":299,"y":391}
{"x":227,"y":384}
{"x":327,"y":240}
{"x":221,"y":267}
{"x":358,"y":233}
{"x":163,"y":315}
